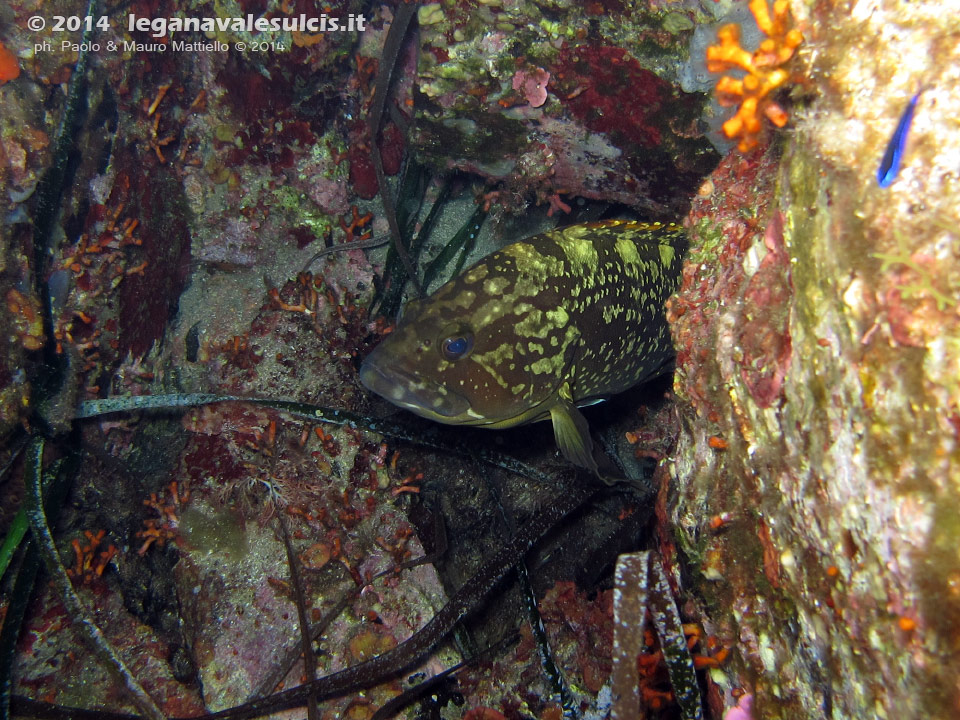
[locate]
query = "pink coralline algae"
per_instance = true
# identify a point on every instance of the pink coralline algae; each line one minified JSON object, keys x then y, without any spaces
{"x":330,"y":194}
{"x":765,"y":333}
{"x":741,"y":711}
{"x":533,"y":85}
{"x":237,"y":244}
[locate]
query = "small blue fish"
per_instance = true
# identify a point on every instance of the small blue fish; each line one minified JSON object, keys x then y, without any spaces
{"x":890,"y":164}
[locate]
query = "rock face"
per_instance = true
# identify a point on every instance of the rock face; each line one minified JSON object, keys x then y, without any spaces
{"x":559,"y":97}
{"x":817,"y":332}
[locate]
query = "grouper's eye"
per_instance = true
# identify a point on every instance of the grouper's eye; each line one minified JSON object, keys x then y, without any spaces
{"x":456,"y":347}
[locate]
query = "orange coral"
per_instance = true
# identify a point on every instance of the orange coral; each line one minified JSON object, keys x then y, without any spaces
{"x":90,"y":560}
{"x":763,"y":68}
{"x":654,"y":685}
{"x":163,"y":529}
{"x":357,"y":222}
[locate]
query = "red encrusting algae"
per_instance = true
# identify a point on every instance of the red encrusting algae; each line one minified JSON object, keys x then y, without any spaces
{"x":9,"y":65}
{"x":598,"y":83}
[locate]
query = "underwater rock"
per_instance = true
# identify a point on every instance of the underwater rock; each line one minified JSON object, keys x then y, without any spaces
{"x":512,"y":77}
{"x":817,"y":335}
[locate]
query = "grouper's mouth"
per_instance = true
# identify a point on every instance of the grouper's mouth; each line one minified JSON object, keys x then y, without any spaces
{"x":401,"y":387}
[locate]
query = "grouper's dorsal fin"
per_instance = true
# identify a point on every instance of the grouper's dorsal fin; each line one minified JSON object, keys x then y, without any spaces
{"x":572,"y":432}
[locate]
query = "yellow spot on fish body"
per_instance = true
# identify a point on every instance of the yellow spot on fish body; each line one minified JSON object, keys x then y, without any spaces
{"x":532,"y":325}
{"x":667,"y":254}
{"x":611,"y":312}
{"x":544,"y":365}
{"x":628,"y":252}
{"x":558,"y":317}
{"x":495,"y":286}
{"x":581,"y":253}
{"x":496,"y":356}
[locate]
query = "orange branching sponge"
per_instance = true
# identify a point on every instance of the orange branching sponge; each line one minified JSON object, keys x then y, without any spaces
{"x":90,"y":560}
{"x":162,"y":529}
{"x":763,"y":67}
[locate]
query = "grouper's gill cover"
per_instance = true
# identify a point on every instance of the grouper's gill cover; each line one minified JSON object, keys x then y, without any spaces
{"x":535,"y":329}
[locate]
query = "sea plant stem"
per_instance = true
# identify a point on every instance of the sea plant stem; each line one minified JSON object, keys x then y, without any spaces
{"x":87,"y":629}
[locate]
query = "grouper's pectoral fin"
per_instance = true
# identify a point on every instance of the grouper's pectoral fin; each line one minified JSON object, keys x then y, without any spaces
{"x":572,"y":432}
